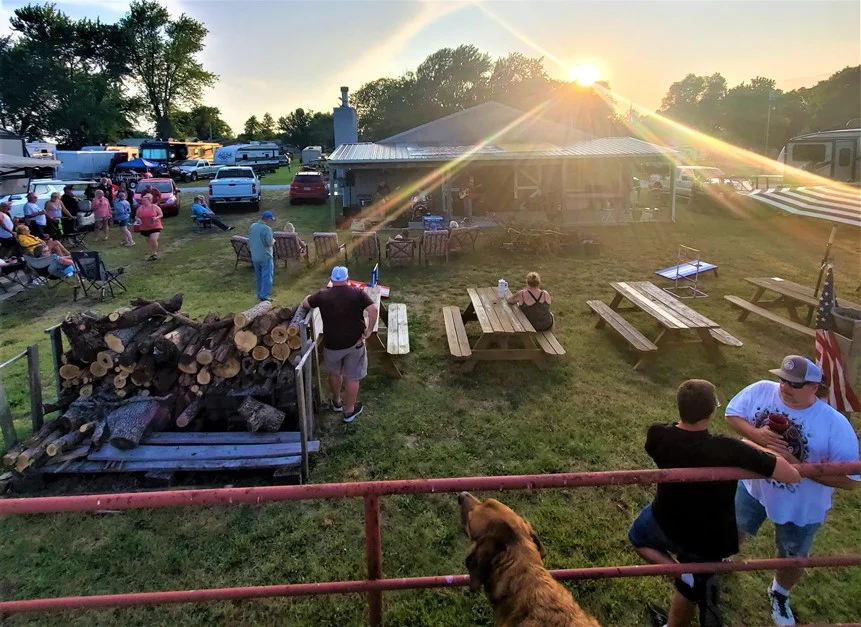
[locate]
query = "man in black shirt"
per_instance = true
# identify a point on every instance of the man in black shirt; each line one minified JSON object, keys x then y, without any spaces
{"x":342,"y":308}
{"x":695,"y":522}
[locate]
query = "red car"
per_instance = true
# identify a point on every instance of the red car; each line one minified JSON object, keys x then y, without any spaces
{"x":166,"y":197}
{"x":308,"y":186}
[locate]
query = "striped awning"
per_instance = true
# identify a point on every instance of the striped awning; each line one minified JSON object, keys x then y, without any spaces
{"x":823,"y":202}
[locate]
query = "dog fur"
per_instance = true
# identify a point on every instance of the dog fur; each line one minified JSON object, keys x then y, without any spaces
{"x":505,"y":557}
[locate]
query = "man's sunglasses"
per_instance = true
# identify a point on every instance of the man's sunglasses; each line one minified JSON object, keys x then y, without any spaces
{"x":793,"y":385}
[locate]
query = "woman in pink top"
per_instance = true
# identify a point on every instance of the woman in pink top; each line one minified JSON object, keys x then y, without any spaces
{"x":148,"y":217}
{"x":102,"y":213}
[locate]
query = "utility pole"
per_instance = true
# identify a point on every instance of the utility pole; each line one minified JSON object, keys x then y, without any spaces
{"x":772,"y":96}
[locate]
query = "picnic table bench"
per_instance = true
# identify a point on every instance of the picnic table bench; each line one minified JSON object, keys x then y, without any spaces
{"x":506,"y":333}
{"x":397,"y":331}
{"x":790,"y":297}
{"x":673,"y":315}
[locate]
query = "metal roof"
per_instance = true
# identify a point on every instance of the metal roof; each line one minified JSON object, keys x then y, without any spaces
{"x":372,"y":154}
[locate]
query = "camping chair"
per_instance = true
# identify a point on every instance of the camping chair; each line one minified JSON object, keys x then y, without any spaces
{"x":401,"y":250}
{"x":463,"y":239}
{"x":93,"y":273}
{"x":366,"y":246}
{"x":288,"y":247}
{"x":434,"y":244}
{"x":38,"y":268}
{"x":327,"y":245}
{"x":240,"y":247}
{"x":201,"y":223}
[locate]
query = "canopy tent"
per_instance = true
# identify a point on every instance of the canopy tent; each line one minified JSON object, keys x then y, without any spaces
{"x":136,"y":164}
{"x":834,"y":204}
{"x":13,"y":163}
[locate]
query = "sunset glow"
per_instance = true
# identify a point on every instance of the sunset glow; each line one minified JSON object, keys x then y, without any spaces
{"x":585,"y":75}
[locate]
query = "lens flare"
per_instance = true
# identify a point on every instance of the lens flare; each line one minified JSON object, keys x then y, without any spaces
{"x":585,"y":75}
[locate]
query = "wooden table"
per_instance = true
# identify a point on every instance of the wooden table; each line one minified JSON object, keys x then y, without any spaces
{"x":790,"y":296}
{"x":673,"y":315}
{"x":506,"y":333}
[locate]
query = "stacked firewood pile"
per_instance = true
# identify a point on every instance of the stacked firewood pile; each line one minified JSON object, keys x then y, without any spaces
{"x":150,"y":367}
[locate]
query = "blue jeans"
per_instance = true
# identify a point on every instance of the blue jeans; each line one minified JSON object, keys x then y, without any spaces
{"x":263,"y":273}
{"x":791,"y":540}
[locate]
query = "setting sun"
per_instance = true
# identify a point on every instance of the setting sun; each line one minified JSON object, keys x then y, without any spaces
{"x":585,"y":75}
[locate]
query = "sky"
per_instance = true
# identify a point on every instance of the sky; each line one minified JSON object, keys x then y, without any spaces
{"x":277,"y":55}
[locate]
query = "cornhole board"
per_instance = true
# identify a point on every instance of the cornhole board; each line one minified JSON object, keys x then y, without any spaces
{"x":684,"y":270}
{"x":384,"y":291}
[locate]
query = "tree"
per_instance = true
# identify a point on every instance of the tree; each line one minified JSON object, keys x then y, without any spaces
{"x":267,"y":127}
{"x":306,"y":128}
{"x":202,"y":122}
{"x":252,"y":129}
{"x":162,"y":56}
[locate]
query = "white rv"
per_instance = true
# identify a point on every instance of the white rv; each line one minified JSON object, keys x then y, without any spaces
{"x":258,"y":155}
{"x":832,"y":154}
{"x":311,"y":154}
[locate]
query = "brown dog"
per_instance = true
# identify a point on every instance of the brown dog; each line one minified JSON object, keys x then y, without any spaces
{"x":506,"y":558}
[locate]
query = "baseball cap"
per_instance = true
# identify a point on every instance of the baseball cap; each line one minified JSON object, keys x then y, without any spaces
{"x":798,"y":369}
{"x":268,"y":215}
{"x":339,"y":273}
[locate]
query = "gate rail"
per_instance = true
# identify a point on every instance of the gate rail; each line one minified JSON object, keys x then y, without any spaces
{"x":371,"y":491}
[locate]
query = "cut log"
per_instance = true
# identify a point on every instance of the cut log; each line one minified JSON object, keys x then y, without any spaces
{"x":249,"y":366}
{"x":165,"y":352}
{"x":286,"y":313}
{"x":226,"y":369}
{"x":86,"y":339}
{"x":260,"y":416}
{"x":130,"y":421}
{"x":194,"y":387}
{"x":298,"y":316}
{"x":98,"y":370}
{"x":269,"y":368}
{"x":280,"y":333}
{"x":69,"y":440}
{"x":107,"y":358}
{"x":292,"y":332}
{"x":86,"y":391}
{"x":265,"y":323}
{"x":206,"y":354}
{"x":165,"y":380}
{"x":189,"y":413}
{"x":129,"y":357}
{"x":242,"y":320}
{"x":203,"y":377}
{"x":281,"y":352}
{"x":32,"y":455}
{"x":259,"y":353}
{"x":145,"y":370}
{"x":245,"y":340}
{"x":182,"y":336}
{"x":144,"y":393}
{"x":166,"y":326}
{"x":118,"y":339}
{"x":268,"y":340}
{"x":120,"y":381}
{"x":294,"y":342}
{"x":188,"y":368}
{"x":145,"y":312}
{"x":69,"y":372}
{"x":189,"y":355}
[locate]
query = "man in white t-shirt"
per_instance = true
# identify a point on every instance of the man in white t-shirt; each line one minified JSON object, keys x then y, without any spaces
{"x":7,"y":230}
{"x":788,"y":418}
{"x":35,"y":217}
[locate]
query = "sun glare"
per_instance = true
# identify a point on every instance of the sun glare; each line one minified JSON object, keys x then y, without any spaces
{"x":585,"y":75}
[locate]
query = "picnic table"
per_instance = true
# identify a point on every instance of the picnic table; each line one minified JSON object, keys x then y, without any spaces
{"x":672,"y":314}
{"x":790,"y":297}
{"x":397,"y":331}
{"x":506,"y":333}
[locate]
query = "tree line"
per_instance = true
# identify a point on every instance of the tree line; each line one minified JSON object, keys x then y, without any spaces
{"x":86,"y":82}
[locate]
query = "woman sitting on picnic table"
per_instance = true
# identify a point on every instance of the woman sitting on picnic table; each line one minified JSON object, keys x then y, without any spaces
{"x":29,"y":242}
{"x":534,"y":303}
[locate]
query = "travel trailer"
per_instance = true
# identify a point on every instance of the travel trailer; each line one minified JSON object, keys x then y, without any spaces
{"x":173,"y":150}
{"x":832,"y":154}
{"x":258,"y":155}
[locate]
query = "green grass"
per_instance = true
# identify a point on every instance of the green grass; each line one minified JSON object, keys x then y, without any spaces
{"x":589,"y":412}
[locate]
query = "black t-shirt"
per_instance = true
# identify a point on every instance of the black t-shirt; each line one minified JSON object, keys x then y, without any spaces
{"x":700,"y":516}
{"x":341,"y":308}
{"x":70,"y":202}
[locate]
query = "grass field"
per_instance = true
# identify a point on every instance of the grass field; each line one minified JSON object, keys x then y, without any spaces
{"x":589,"y":412}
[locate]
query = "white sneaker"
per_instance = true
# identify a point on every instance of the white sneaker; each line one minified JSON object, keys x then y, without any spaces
{"x":781,"y":613}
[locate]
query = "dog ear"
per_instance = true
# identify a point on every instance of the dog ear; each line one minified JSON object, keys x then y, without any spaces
{"x":537,"y":541}
{"x":484,"y":550}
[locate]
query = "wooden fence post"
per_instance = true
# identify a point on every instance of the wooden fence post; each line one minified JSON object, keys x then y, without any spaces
{"x":56,"y":353}
{"x":35,"y":381}
{"x":10,"y":438}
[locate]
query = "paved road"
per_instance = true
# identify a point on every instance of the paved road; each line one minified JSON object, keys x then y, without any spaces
{"x":264,"y":187}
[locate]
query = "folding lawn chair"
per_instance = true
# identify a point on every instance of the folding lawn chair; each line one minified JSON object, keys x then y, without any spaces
{"x":38,"y":268}
{"x":401,"y":250}
{"x":240,"y":247}
{"x":327,"y":245}
{"x":366,"y":246}
{"x":94,"y":274}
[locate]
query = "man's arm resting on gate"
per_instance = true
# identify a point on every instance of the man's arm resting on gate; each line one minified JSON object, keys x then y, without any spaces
{"x":762,"y":436}
{"x":783,"y":470}
{"x":837,"y":481}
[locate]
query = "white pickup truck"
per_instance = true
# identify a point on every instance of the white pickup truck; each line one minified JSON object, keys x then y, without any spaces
{"x":193,"y":169}
{"x":235,"y":184}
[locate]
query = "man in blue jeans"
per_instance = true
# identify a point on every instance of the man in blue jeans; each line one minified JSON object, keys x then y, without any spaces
{"x":260,"y":244}
{"x":696,"y":522}
{"x":786,"y":417}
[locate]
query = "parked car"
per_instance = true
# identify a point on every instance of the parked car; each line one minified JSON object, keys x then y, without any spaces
{"x":193,"y":169}
{"x":701,"y":179}
{"x":235,"y":184}
{"x":43,"y":189}
{"x":169,"y":200}
{"x":283,"y":160}
{"x":308,"y":185}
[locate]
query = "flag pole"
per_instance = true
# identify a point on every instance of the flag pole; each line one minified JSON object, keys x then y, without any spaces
{"x":822,"y":269}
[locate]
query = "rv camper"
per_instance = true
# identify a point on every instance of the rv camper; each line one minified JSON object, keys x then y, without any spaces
{"x":311,"y":154}
{"x":258,"y":155}
{"x":87,"y":164}
{"x":173,"y":150}
{"x":832,"y":154}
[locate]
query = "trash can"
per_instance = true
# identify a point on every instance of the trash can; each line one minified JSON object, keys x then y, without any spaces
{"x":845,"y":319}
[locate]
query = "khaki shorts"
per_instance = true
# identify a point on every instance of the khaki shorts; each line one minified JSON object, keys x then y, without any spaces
{"x":350,"y":363}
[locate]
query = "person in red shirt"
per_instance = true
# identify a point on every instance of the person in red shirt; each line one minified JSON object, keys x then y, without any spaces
{"x":149,"y":217}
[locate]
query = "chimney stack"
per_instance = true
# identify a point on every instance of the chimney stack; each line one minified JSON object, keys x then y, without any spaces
{"x":344,"y":97}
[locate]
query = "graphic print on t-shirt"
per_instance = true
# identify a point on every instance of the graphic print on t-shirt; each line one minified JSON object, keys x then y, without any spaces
{"x":793,"y":435}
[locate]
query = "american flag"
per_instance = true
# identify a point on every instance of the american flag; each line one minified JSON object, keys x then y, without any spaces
{"x":840,"y":394}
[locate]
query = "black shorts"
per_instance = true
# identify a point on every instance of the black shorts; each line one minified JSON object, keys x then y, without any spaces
{"x":37,"y":230}
{"x":149,"y":232}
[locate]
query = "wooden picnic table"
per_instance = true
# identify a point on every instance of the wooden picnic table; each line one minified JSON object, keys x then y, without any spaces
{"x":506,"y":333}
{"x":791,"y":296}
{"x":397,"y":333}
{"x":673,"y":315}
